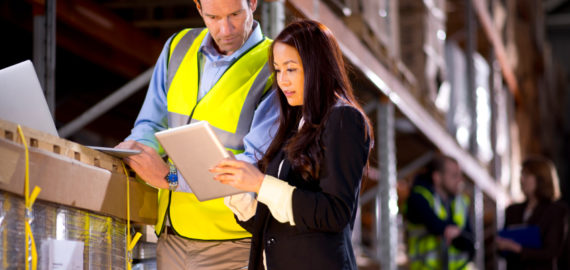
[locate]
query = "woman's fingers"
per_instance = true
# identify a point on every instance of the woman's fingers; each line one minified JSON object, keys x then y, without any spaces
{"x":238,"y":174}
{"x":224,"y":178}
{"x":225,"y":170}
{"x":232,"y":163}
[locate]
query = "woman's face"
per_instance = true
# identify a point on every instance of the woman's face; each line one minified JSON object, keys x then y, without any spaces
{"x":528,"y":184}
{"x":289,"y":72}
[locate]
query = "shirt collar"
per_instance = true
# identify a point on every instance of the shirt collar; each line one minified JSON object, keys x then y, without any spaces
{"x":207,"y":47}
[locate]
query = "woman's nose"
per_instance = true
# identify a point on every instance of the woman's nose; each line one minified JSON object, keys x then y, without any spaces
{"x":282,"y":79}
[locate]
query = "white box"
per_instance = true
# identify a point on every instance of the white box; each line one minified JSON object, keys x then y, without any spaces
{"x":62,"y":255}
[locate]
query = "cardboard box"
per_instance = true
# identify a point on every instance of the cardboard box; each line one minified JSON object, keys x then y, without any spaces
{"x":73,"y":175}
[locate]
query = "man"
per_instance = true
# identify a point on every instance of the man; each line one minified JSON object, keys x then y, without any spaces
{"x":218,"y":74}
{"x":439,"y":234}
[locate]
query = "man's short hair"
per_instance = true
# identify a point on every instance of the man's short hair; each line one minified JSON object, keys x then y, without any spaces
{"x":199,"y":3}
{"x":437,"y":164}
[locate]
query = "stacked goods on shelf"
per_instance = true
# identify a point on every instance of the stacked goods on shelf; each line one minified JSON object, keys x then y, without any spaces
{"x":422,"y":45}
{"x":82,"y":202}
{"x":103,"y":238}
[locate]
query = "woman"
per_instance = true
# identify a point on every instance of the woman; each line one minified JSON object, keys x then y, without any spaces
{"x":306,"y":201}
{"x":539,"y":183}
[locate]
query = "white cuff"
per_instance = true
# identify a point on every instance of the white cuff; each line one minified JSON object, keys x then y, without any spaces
{"x":278,"y":196}
{"x":243,"y":205}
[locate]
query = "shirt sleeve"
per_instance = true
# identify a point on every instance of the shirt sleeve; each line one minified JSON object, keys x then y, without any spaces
{"x":263,"y":128}
{"x":278,"y":196}
{"x":153,"y":114}
{"x":242,"y":205}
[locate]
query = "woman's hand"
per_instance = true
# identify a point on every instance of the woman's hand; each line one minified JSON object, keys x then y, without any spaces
{"x":238,"y":174}
{"x":506,"y":244}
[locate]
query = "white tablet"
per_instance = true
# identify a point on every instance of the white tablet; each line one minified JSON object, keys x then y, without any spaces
{"x":116,"y":152}
{"x":194,"y":149}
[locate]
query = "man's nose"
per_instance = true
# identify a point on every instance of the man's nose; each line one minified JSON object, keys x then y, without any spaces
{"x":226,"y":26}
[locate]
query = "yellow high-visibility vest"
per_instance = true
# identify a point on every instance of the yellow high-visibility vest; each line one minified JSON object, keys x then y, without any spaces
{"x":425,"y":249}
{"x":229,"y":107}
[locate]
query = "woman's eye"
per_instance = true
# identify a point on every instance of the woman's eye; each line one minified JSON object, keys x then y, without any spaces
{"x":291,"y":69}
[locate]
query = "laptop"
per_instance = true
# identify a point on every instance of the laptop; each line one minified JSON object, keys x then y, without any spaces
{"x":194,"y":149}
{"x":22,"y":101}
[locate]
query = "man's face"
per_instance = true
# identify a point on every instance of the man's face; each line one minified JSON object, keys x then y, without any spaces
{"x":229,"y":22}
{"x":451,"y":178}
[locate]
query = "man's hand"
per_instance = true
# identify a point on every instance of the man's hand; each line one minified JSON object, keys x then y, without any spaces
{"x":450,"y":233}
{"x":148,"y":164}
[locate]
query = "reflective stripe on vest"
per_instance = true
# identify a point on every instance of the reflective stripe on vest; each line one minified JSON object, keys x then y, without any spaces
{"x":425,"y":250}
{"x":229,"y":107}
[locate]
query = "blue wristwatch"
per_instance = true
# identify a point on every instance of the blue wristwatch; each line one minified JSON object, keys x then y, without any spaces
{"x":172,"y":177}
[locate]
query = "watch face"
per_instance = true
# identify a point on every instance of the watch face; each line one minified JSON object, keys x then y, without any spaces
{"x":172,"y":178}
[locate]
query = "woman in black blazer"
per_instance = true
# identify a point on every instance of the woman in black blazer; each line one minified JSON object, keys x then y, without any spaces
{"x":303,"y":208}
{"x":539,"y":183}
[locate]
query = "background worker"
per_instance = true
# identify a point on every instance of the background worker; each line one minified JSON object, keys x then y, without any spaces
{"x":439,"y":234}
{"x":218,"y":74}
{"x":539,"y":183}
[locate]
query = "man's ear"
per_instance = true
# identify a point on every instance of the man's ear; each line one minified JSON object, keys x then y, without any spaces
{"x":253,"y":5}
{"x":436,"y":178}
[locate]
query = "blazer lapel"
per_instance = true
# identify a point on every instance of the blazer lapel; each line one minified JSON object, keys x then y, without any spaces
{"x":284,"y":170}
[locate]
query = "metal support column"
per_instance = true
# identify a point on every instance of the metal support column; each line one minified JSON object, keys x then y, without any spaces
{"x":44,"y":49}
{"x":471,"y":28}
{"x":272,"y":17}
{"x":387,"y":198}
{"x":478,"y":200}
{"x":498,"y":113}
{"x":478,"y":211}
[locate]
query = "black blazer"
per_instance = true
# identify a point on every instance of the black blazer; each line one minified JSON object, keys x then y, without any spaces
{"x":323,"y":210}
{"x":551,"y":218}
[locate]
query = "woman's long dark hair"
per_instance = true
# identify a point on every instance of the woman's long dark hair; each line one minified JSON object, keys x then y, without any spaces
{"x":325,"y":84}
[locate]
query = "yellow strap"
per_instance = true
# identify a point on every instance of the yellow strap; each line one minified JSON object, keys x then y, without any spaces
{"x":29,"y":201}
{"x":130,"y":242}
{"x":34,"y":195}
{"x":110,"y":241}
{"x":86,"y":232}
{"x":33,"y":244}
{"x":135,"y":240}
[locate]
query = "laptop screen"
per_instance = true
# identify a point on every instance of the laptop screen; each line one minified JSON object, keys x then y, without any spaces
{"x":22,"y":100}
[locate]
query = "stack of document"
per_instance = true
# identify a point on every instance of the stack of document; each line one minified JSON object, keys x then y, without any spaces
{"x":526,"y":236}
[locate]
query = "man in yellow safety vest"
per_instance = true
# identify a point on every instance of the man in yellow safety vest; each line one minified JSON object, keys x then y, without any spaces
{"x":218,"y":74}
{"x":438,"y":229}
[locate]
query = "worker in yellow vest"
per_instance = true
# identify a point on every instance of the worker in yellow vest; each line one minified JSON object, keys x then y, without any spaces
{"x":218,"y":74}
{"x":438,"y":229}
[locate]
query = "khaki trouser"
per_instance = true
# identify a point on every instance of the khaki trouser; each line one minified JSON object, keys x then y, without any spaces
{"x":174,"y":252}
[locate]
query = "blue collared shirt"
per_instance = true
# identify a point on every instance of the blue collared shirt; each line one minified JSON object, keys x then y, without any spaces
{"x":215,"y":64}
{"x":153,"y":115}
